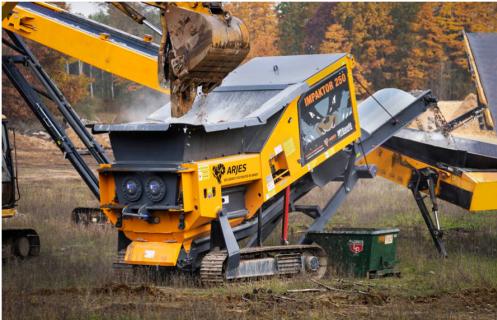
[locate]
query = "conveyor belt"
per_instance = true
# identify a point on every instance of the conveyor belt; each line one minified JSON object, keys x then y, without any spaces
{"x":433,"y":148}
{"x":466,"y":169}
{"x":94,"y":28}
{"x":101,"y":46}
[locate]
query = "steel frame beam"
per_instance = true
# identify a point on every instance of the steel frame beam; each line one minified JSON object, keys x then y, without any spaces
{"x":222,"y":237}
{"x":32,"y":97}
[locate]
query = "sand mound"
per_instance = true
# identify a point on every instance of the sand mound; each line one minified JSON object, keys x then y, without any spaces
{"x":103,"y":139}
{"x":34,"y":142}
{"x":470,"y":102}
{"x":451,"y":110}
{"x":40,"y":140}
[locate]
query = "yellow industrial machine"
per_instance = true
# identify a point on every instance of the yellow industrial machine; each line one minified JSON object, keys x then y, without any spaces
{"x":201,"y":43}
{"x":15,"y":242}
{"x":184,"y":192}
{"x":188,"y":189}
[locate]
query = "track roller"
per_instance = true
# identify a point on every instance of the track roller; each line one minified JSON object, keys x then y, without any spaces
{"x":87,"y":216}
{"x":262,"y":262}
{"x":20,"y":243}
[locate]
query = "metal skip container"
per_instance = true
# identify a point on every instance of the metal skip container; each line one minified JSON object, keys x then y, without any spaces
{"x":360,"y":252}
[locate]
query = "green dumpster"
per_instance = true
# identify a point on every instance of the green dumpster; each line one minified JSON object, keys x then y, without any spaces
{"x":361,"y":252}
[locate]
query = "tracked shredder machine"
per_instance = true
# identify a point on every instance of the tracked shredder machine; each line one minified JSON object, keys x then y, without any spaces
{"x":184,"y":192}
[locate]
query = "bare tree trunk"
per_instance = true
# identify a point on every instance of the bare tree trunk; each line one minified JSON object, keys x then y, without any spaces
{"x":112,"y":87}
{"x":91,"y":81}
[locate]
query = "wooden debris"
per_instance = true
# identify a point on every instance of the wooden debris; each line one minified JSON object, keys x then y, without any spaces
{"x":306,"y":290}
{"x":339,"y":290}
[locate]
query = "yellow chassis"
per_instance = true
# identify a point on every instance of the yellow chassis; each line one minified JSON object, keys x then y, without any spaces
{"x":396,"y":167}
{"x":201,"y":190}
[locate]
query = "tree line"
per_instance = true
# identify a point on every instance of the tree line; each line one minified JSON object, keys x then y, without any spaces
{"x":406,"y":45}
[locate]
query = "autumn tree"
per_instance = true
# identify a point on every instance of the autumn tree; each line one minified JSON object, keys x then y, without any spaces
{"x":369,"y":27}
{"x":317,"y":25}
{"x":337,"y":40}
{"x":425,"y":58}
{"x":262,"y":23}
{"x":292,"y":19}
{"x":409,"y":45}
{"x":404,"y":16}
{"x":482,"y":16}
{"x":453,"y":18}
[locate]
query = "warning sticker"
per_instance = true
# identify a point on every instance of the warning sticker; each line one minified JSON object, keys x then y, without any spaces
{"x":203,"y":172}
{"x":270,"y":182}
{"x":225,"y":199}
{"x":289,"y":147}
{"x":389,"y":239}
{"x":149,"y":254}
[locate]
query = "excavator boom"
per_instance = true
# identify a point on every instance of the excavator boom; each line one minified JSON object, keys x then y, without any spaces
{"x":200,"y":44}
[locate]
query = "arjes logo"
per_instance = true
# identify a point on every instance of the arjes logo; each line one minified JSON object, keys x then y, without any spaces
{"x":237,"y":169}
{"x":219,"y":170}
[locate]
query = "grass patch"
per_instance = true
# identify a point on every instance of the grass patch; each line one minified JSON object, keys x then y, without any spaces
{"x":73,"y":277}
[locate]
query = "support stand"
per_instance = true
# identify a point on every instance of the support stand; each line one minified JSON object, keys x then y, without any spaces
{"x":425,"y":180}
{"x":350,"y":178}
{"x":259,"y":228}
{"x":222,"y":237}
{"x":284,"y":221}
{"x":45,"y":88}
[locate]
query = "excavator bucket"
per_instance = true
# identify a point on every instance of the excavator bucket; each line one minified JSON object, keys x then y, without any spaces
{"x":199,"y":47}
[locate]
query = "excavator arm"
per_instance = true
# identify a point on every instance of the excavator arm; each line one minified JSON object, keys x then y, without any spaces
{"x":200,"y":44}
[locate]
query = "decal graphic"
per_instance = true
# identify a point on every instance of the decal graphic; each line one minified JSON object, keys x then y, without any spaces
{"x":325,"y":114}
{"x":218,"y":171}
{"x":389,"y":239}
{"x":356,"y":246}
{"x":203,"y":172}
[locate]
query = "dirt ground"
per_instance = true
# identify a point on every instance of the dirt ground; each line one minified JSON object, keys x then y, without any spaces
{"x":73,"y":277}
{"x":151,"y":302}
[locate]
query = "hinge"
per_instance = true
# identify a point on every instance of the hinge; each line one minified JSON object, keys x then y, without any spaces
{"x":21,"y":21}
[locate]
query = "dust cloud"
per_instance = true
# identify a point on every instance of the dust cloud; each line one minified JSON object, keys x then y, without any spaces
{"x":141,"y":106}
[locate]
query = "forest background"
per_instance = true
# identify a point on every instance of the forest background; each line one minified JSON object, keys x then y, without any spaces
{"x":411,"y":46}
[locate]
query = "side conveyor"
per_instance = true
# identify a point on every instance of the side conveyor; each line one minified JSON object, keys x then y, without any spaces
{"x":119,"y":53}
{"x":460,"y":171}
